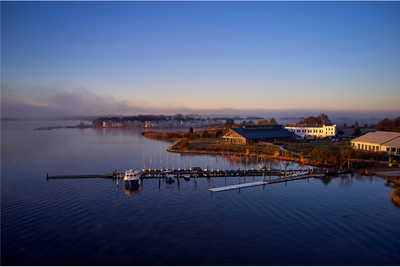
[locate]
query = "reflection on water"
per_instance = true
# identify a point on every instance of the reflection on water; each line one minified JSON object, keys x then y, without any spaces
{"x":131,"y":189}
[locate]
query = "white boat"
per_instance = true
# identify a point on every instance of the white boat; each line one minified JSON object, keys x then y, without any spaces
{"x":169,"y":176}
{"x":132,"y":177}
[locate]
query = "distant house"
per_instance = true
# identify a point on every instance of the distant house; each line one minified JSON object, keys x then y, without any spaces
{"x":250,"y":134}
{"x":378,"y":141}
{"x":312,"y":130}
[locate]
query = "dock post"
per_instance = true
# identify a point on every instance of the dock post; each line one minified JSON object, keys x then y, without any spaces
{"x":270,"y":165}
{"x":211,"y":183}
{"x":263,"y":176}
{"x":225,"y":173}
{"x":285,"y":173}
{"x":280,"y":169}
{"x":239,"y":181}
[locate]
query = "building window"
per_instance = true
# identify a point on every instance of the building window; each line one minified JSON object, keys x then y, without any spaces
{"x":358,"y":146}
{"x":369,"y":148}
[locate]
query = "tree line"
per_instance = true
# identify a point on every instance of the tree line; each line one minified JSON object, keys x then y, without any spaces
{"x":389,"y":125}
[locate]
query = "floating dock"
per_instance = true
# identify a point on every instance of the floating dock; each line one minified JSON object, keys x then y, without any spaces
{"x":280,"y":180}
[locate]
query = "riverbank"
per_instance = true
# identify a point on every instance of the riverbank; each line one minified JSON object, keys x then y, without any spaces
{"x":270,"y":151}
{"x":396,"y":195}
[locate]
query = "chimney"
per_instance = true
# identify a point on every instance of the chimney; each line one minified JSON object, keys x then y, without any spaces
{"x":323,"y":122}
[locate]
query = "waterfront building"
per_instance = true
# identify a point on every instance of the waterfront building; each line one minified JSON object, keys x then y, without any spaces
{"x":250,"y":134}
{"x":312,"y":130}
{"x":378,"y":141}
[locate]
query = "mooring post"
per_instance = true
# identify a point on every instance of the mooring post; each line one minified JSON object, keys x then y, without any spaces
{"x":280,"y":168}
{"x":285,"y":173}
{"x":47,"y":176}
{"x":211,"y":183}
{"x":263,"y":176}
{"x":239,"y":181}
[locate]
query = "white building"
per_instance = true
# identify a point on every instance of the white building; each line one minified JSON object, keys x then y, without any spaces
{"x":312,"y":130}
{"x":378,"y":141}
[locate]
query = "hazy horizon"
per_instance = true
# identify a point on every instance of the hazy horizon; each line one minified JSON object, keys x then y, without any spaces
{"x":270,"y":59}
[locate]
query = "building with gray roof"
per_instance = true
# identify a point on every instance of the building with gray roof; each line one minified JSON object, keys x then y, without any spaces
{"x":378,"y":141}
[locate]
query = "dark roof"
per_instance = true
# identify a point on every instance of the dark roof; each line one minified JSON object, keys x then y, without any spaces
{"x":274,"y":132}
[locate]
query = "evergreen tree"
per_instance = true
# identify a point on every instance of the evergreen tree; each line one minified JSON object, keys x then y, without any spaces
{"x":356,"y":130}
{"x":272,"y":121}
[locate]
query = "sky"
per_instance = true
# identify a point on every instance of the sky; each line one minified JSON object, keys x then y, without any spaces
{"x":130,"y":58}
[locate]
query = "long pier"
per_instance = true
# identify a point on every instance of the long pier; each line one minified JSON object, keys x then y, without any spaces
{"x":80,"y":176}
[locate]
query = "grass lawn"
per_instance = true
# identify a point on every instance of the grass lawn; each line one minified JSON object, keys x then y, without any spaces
{"x":219,"y":144}
{"x":309,"y":147}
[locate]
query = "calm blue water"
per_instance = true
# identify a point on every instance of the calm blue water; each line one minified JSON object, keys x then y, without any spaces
{"x":94,"y":222}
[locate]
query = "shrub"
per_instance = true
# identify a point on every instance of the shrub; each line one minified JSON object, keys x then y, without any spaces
{"x":323,"y":154}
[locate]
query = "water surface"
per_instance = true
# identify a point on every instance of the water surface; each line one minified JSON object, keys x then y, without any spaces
{"x":344,"y":220}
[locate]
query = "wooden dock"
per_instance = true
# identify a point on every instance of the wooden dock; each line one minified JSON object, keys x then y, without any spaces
{"x":274,"y":181}
{"x":80,"y":176}
{"x":198,"y":172}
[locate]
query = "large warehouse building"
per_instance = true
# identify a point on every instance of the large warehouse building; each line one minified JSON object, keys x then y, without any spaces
{"x":250,"y":134}
{"x":378,"y":141}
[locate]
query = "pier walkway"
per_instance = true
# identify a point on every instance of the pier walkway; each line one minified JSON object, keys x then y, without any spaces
{"x":274,"y":181}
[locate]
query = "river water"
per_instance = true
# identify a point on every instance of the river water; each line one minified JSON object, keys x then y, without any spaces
{"x":341,"y":220}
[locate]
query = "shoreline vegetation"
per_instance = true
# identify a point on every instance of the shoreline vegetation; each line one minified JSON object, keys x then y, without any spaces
{"x":319,"y":153}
